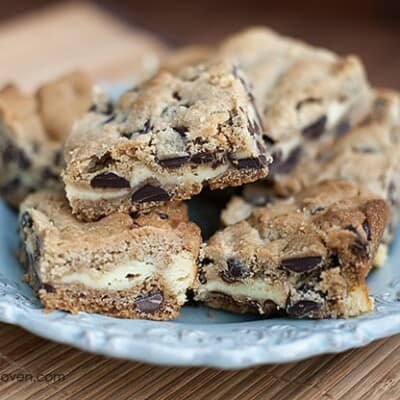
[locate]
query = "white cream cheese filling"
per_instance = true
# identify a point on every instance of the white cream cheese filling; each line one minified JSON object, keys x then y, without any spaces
{"x":122,"y":277}
{"x":380,"y":256}
{"x":177,"y":277}
{"x":198,"y":175}
{"x":257,"y":289}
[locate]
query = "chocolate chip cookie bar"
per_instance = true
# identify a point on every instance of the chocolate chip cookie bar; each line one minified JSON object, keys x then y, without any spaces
{"x":367,"y":155}
{"x":33,"y":128}
{"x":307,"y":256}
{"x":305,"y":94}
{"x":165,"y":141}
{"x":129,"y":266}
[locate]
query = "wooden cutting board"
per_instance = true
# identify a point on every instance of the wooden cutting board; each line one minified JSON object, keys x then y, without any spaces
{"x":77,"y":35}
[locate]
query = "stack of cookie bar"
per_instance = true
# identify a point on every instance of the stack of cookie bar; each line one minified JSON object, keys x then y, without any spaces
{"x":308,"y":146}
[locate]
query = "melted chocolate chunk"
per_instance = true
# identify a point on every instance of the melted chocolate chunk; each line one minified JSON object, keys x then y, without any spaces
{"x":316,"y":129}
{"x":342,"y":128}
{"x":176,"y":96}
{"x":109,"y":180}
{"x":26,"y":220}
{"x":134,"y":214}
{"x":182,"y":130}
{"x":367,"y":231}
{"x":253,"y":127}
{"x":47,"y":287}
{"x":149,"y":303}
{"x":146,"y":128}
{"x":204,"y":157}
{"x":270,"y":308}
{"x":149,"y":193}
{"x":279,"y":166}
{"x":174,"y":162}
{"x":249,"y":163}
{"x":302,"y":308}
{"x":235,"y":271}
{"x":360,"y":248}
{"x":301,"y":264}
{"x":97,"y":163}
{"x":268,"y":140}
{"x":163,"y":216}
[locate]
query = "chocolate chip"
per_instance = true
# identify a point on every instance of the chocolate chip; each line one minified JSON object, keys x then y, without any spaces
{"x":359,"y":247}
{"x":174,"y":162}
{"x":316,"y":129}
{"x":109,"y":180}
{"x":367,"y":231}
{"x":203,"y":158}
{"x":268,"y":140}
{"x":342,"y":128}
{"x":249,"y":163}
{"x":47,"y":287}
{"x":149,"y":303}
{"x":134,"y":214}
{"x":252,"y":127}
{"x":146,"y":128}
{"x":235,"y":271}
{"x":109,"y":119}
{"x":149,"y":193}
{"x":26,"y":220}
{"x":176,"y":96}
{"x":351,"y":228}
{"x":285,"y":166}
{"x":97,"y":163}
{"x":302,"y":308}
{"x":182,"y":130}
{"x":301,"y":264}
{"x":163,"y":216}
{"x":270,"y":307}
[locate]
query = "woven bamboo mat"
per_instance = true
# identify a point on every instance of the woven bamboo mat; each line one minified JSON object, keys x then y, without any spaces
{"x":34,"y":368}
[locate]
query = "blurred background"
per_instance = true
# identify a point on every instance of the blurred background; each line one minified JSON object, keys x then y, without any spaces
{"x":369,"y":28}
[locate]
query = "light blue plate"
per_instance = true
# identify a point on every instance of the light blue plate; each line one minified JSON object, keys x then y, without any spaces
{"x":200,"y":337}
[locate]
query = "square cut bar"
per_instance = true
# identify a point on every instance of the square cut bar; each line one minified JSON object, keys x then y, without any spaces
{"x":367,"y":155}
{"x":33,"y":128}
{"x":128,"y":266}
{"x":305,"y":95}
{"x":164,"y":141}
{"x":303,"y":257}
